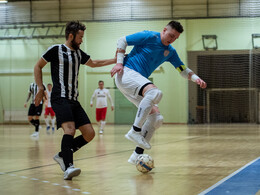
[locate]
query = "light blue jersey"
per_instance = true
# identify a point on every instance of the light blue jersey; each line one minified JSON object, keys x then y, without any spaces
{"x":149,"y":53}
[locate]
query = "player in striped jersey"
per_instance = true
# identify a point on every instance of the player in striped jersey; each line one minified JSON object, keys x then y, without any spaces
{"x":65,"y":61}
{"x":150,"y":50}
{"x":34,"y":112}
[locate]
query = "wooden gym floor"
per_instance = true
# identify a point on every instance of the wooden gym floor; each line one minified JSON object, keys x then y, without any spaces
{"x":188,"y":160}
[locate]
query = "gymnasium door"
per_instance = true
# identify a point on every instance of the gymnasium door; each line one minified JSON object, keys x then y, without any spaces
{"x":125,"y":111}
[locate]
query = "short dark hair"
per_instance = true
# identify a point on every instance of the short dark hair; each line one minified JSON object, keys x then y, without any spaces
{"x":100,"y":81}
{"x":73,"y":27}
{"x":49,"y":84}
{"x":176,"y":25}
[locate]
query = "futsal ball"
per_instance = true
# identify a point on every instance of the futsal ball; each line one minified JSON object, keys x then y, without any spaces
{"x":144,"y":163}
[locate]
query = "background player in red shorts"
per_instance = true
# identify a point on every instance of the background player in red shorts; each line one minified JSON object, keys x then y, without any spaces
{"x":101,"y":94}
{"x":49,"y":110}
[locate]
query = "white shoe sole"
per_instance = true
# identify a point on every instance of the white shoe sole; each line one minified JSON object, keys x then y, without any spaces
{"x":142,"y":146}
{"x":61,"y":166}
{"x":72,"y":174}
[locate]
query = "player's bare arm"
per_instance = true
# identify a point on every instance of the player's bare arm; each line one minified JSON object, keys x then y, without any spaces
{"x":38,"y":79}
{"x":28,"y":97}
{"x":190,"y":75}
{"x":100,"y":63}
{"x":121,"y":48}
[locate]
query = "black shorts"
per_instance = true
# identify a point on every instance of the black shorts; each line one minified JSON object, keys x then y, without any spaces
{"x":69,"y":110}
{"x":35,"y":111}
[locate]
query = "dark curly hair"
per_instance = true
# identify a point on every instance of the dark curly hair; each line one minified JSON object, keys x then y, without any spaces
{"x":176,"y":25}
{"x":73,"y":27}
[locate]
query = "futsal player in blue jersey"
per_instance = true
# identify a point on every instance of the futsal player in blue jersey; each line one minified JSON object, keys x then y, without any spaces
{"x":150,"y":50}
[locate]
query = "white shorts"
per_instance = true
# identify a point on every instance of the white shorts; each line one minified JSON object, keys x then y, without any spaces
{"x":129,"y":83}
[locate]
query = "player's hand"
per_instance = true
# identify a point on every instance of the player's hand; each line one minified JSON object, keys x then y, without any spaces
{"x":201,"y":83}
{"x":118,"y":68}
{"x":112,"y":108}
{"x":25,"y":105}
{"x":91,"y":105}
{"x":39,"y":97}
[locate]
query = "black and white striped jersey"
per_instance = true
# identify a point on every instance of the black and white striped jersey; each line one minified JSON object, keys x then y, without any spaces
{"x":64,"y":70}
{"x":33,"y":90}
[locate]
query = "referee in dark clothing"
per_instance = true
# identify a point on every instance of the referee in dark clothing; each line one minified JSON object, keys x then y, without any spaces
{"x":65,"y":61}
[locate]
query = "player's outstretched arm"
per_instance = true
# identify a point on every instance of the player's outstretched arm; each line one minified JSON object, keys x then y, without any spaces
{"x":190,"y":75}
{"x":120,"y":53}
{"x":92,"y":98}
{"x":100,"y":63}
{"x":38,"y":79}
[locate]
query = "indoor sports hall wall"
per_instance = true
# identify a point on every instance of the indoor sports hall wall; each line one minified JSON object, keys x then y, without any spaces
{"x":19,"y":56}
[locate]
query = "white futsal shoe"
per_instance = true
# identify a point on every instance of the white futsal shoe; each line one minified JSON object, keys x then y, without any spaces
{"x":137,"y":138}
{"x":60,"y":161}
{"x":133,"y":158}
{"x":71,"y":172}
{"x":35,"y":134}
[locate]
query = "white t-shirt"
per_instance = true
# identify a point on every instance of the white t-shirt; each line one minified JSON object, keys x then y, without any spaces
{"x":49,"y":98}
{"x":101,"y":96}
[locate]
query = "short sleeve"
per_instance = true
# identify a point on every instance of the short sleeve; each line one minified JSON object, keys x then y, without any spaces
{"x":51,"y":54}
{"x":138,"y":38}
{"x":84,"y":57}
{"x":175,"y":60}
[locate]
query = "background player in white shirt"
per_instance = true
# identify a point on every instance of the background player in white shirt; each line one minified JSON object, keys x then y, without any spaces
{"x":49,"y":110}
{"x":101,"y":94}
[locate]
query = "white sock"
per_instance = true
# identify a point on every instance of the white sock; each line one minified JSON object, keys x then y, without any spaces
{"x":53,"y":122}
{"x":47,"y":122}
{"x":153,"y":122}
{"x":103,"y":123}
{"x":98,"y":124}
{"x":151,"y":97}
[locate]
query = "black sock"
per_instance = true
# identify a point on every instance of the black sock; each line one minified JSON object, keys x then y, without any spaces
{"x":139,"y":150}
{"x":66,"y":150}
{"x":32,"y":122}
{"x":36,"y":124}
{"x":137,"y":129}
{"x":78,"y":142}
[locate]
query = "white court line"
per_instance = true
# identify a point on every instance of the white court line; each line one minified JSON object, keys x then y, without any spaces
{"x":228,"y":177}
{"x":55,"y":184}
{"x":77,"y":190}
{"x":34,"y":179}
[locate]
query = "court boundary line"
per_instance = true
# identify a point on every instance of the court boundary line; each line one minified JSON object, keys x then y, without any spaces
{"x":228,"y":177}
{"x":97,"y":156}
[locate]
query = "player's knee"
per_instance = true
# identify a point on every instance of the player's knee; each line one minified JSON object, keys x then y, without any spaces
{"x":91,"y":135}
{"x":69,"y":130}
{"x":158,"y":121}
{"x":154,"y":94}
